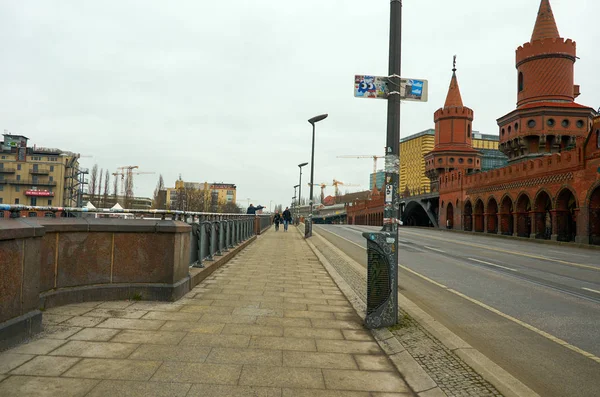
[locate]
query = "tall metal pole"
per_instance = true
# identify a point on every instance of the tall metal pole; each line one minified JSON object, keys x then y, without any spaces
{"x":382,"y":247}
{"x":308,"y":227}
{"x":299,"y":197}
{"x":392,"y":159}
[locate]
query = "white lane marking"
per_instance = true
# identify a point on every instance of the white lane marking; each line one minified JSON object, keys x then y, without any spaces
{"x":591,"y":290}
{"x":506,"y":316}
{"x":434,"y":249}
{"x":344,"y":238}
{"x":492,"y":264}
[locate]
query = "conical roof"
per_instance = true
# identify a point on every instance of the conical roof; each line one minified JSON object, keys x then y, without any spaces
{"x":545,"y":24}
{"x":117,"y":206}
{"x":453,"y":99}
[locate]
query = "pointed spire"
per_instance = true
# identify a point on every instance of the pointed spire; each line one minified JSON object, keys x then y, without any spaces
{"x":545,"y":25}
{"x":453,"y":99}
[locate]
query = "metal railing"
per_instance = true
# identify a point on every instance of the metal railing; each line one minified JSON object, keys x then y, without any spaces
{"x":212,"y":234}
{"x":30,"y":182}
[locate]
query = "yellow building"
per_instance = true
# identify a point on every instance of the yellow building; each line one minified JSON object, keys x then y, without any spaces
{"x":38,"y":176}
{"x":412,"y":158}
{"x":212,"y":195}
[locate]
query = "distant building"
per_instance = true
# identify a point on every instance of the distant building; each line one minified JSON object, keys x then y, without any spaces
{"x":378,"y":178}
{"x":211,"y":195}
{"x":37,"y":176}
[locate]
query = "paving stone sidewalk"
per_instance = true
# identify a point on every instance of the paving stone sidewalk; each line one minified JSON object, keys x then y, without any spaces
{"x":271,"y":322}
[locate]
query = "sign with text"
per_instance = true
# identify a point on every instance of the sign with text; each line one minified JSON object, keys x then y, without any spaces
{"x":380,"y":87}
{"x":39,"y":193}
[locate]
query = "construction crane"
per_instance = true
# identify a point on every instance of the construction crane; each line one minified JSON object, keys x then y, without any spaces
{"x":336,"y":183}
{"x":126,"y":173}
{"x":322,"y":186}
{"x":374,"y":157}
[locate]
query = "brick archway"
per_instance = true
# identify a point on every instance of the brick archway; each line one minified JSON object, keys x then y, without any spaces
{"x":468,"y":216}
{"x":594,"y":215}
{"x":523,"y":218}
{"x":542,"y":217}
{"x":507,"y":216}
{"x":566,"y":215}
{"x":478,"y":216}
{"x":450,"y":216}
{"x":492,"y":216}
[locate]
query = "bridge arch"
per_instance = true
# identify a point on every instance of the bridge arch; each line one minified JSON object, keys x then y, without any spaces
{"x":492,"y":215}
{"x":523,"y":208}
{"x":566,"y":214}
{"x":507,"y":215}
{"x":593,"y":204}
{"x":468,"y":216}
{"x":542,"y":217}
{"x":415,"y":214}
{"x":478,"y":215}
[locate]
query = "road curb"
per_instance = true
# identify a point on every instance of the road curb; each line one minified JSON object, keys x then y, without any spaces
{"x":506,"y":383}
{"x":413,"y":374}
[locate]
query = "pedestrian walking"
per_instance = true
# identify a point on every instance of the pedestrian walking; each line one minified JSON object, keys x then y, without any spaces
{"x":287,"y":218}
{"x":277,"y":219}
{"x":252,"y":209}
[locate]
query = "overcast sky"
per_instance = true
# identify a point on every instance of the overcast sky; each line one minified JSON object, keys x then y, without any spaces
{"x":221,"y":91}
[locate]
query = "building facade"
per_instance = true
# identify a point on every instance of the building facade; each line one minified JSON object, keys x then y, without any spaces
{"x":207,"y":195}
{"x":551,"y":187}
{"x":36,"y":176}
{"x":377,"y":179}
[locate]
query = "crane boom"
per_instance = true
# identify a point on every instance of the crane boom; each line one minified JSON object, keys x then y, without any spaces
{"x":364,"y":156}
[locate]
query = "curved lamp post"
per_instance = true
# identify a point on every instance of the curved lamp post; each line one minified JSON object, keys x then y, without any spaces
{"x":308,"y":224}
{"x":299,"y":193}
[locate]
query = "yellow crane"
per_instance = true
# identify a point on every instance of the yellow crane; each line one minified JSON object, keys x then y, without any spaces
{"x":374,"y":157}
{"x":322,"y":186}
{"x":336,"y":183}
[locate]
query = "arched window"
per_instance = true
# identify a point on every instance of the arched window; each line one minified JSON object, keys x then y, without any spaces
{"x":520,"y":81}
{"x":469,"y":131}
{"x":598,"y":139}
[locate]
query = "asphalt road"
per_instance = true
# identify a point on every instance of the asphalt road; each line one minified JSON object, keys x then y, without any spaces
{"x":533,"y":309}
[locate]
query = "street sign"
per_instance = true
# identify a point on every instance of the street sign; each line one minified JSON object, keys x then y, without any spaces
{"x":380,"y":87}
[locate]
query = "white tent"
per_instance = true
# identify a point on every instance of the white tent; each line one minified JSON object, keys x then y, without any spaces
{"x":89,"y":206}
{"x":116,"y":207}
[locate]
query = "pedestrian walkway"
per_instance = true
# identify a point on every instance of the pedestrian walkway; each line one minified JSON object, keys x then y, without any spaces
{"x":271,"y":322}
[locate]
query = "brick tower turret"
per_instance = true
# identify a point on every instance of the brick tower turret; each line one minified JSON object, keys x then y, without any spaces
{"x":547,"y":119}
{"x":453,"y":148}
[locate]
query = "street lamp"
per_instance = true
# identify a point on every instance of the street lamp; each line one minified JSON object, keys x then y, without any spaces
{"x":308,"y":225}
{"x":299,"y":193}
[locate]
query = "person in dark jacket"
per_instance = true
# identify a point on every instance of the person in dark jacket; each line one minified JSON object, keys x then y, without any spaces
{"x":252,"y":209}
{"x":277,"y":219}
{"x":287,"y":218}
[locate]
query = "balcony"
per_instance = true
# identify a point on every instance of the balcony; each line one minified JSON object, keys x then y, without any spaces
{"x":30,"y":182}
{"x":4,"y":170}
{"x":39,"y":171}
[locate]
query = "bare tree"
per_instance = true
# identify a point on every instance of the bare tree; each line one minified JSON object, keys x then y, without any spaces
{"x":115,"y":188}
{"x":105,"y":195}
{"x":230,"y":208}
{"x":99,"y":195}
{"x":158,"y":199}
{"x":93,"y":183}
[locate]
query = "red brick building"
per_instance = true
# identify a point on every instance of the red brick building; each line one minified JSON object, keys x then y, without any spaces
{"x":551,"y":187}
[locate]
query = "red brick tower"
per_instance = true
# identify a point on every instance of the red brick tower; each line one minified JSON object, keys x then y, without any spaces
{"x":547,"y":119}
{"x":453,"y":148}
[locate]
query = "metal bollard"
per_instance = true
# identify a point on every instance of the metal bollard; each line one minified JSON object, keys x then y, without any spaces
{"x":209,"y":246}
{"x":217,"y":237}
{"x":196,"y":232}
{"x":222,"y":236}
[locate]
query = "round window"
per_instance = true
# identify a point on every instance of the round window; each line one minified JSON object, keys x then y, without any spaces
{"x":550,"y":122}
{"x":509,"y":129}
{"x":579,"y":124}
{"x":531,"y":124}
{"x":440,"y":160}
{"x":470,"y":161}
{"x":565,"y":123}
{"x":516,"y":126}
{"x":451,"y":159}
{"x":461,"y":161}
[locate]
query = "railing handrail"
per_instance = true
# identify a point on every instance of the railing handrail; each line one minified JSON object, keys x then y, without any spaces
{"x":17,"y":208}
